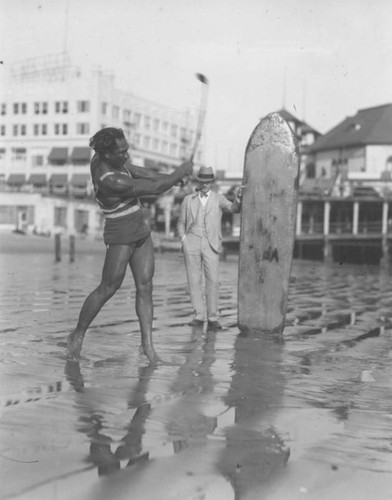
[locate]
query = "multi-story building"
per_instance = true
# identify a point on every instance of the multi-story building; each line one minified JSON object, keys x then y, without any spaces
{"x":49,"y":109}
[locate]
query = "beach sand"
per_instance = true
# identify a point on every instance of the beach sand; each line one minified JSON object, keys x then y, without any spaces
{"x":227,"y":416}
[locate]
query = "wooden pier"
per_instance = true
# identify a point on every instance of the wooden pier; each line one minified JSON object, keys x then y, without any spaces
{"x":338,"y":229}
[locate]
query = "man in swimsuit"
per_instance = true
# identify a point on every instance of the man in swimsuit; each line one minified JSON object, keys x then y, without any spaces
{"x":118,"y":184}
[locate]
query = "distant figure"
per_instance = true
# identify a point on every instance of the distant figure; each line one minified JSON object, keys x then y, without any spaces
{"x":199,"y":227}
{"x":84,"y":230}
{"x":118,"y":184}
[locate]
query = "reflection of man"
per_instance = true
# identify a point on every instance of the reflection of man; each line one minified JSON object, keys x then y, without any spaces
{"x":92,"y":423}
{"x":199,"y":228}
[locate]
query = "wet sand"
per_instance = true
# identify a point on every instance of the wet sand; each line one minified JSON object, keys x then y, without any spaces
{"x":229,"y":417}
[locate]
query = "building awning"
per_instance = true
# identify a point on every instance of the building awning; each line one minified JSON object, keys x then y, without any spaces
{"x":58,"y":155}
{"x":59,"y":179}
{"x":16,"y":179}
{"x":37,"y":179}
{"x":81,"y":155}
{"x":80,"y":180}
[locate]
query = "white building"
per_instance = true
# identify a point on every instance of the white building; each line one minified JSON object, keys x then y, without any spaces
{"x":49,"y":109}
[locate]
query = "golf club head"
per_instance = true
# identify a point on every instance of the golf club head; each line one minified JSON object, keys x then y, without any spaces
{"x":202,"y":78}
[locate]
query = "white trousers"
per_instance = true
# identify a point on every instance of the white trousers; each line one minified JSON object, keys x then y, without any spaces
{"x":201,"y":261}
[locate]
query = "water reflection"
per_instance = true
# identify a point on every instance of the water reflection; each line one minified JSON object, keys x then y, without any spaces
{"x":187,"y":425}
{"x":103,"y":453}
{"x":254,"y":451}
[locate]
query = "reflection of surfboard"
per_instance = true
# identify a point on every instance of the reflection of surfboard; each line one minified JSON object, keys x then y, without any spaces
{"x":268,"y":213}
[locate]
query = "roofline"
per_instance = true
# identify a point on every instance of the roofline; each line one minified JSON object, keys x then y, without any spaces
{"x":348,"y":146}
{"x":372,"y":107}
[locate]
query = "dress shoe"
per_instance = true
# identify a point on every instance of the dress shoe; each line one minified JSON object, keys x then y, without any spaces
{"x":214,"y":325}
{"x":196,"y":322}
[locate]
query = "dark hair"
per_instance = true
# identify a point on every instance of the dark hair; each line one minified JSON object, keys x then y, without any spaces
{"x":104,"y":140}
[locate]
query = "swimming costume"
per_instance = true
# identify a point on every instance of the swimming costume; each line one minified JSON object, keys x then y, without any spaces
{"x":125,"y":223}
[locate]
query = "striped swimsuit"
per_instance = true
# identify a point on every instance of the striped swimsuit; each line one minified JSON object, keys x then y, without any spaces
{"x":125,"y":223}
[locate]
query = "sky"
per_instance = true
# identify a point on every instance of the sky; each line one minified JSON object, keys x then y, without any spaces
{"x":321,"y":60}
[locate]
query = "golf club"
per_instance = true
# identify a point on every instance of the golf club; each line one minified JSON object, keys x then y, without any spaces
{"x":202,"y":112}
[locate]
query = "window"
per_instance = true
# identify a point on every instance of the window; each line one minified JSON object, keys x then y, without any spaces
{"x":147,"y":122}
{"x":44,"y":129}
{"x":136,"y":140}
{"x":146,"y":142}
{"x":61,"y":107}
{"x":156,"y":125}
{"x":165,"y":126}
{"x":126,"y":116}
{"x":37,"y":160}
{"x":3,"y":108}
{"x":155,"y":144}
{"x":19,"y":129}
{"x":104,"y":108}
{"x":24,"y":108}
{"x":116,"y":112}
{"x":36,"y":129}
{"x":82,"y":128}
{"x":18,"y":154}
{"x":60,"y":129}
{"x":2,"y":130}
{"x":173,"y":130}
{"x":40,"y":108}
{"x":60,"y":216}
{"x":173,"y":149}
{"x":138,"y":117}
{"x":83,"y":106}
{"x":165,"y":147}
{"x":16,"y":108}
{"x":7,"y":214}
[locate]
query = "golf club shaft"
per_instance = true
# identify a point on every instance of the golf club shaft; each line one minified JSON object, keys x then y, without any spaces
{"x":202,"y":113}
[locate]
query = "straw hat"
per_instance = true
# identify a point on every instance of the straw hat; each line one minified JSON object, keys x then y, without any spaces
{"x":205,"y":174}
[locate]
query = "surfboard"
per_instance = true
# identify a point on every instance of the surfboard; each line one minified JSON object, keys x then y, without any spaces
{"x":268,"y":216}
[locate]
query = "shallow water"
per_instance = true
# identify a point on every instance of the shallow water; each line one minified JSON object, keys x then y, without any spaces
{"x":227,"y":416}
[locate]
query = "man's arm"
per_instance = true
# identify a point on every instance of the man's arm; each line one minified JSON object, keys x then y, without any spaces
{"x":143,"y":173}
{"x":228,"y":206}
{"x":120,"y":185}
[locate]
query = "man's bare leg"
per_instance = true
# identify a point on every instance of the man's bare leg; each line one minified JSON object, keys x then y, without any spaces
{"x":142,"y":266}
{"x":114,"y":268}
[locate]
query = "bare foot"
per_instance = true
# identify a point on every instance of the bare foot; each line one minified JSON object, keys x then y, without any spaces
{"x":74,"y":346}
{"x":151,"y":355}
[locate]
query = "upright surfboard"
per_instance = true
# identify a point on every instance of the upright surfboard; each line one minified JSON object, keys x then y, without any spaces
{"x":268,"y":216}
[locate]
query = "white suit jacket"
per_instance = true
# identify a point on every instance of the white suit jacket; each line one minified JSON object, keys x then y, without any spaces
{"x":216,"y":204}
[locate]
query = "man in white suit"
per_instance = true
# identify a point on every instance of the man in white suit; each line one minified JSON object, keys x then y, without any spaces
{"x":199,"y":227}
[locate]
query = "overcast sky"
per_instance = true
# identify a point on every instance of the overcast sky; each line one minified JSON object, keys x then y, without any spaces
{"x":322,"y":59}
